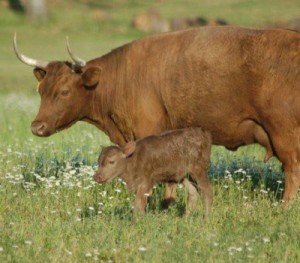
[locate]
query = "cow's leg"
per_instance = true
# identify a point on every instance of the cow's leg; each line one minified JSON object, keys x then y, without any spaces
{"x":286,"y":143}
{"x":193,"y":196}
{"x":290,"y":159}
{"x":292,"y":182}
{"x":170,"y":195}
{"x":262,"y":138}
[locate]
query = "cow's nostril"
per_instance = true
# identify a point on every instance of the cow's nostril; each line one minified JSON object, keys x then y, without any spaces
{"x":38,"y":128}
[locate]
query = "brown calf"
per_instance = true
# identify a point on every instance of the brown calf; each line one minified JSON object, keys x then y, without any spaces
{"x":166,"y":157}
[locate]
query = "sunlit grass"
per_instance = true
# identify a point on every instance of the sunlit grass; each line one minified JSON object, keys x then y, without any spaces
{"x":52,"y":210}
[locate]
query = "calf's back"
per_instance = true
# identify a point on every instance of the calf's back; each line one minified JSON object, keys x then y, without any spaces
{"x":170,"y":155}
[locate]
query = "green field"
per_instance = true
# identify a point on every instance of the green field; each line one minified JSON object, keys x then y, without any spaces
{"x":50,"y":208}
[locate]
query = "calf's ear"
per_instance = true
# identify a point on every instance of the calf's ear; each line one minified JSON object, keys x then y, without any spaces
{"x":91,"y":77}
{"x":39,"y":74}
{"x":129,"y":148}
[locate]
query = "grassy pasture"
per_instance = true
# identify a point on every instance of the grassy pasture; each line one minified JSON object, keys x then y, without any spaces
{"x":50,"y":208}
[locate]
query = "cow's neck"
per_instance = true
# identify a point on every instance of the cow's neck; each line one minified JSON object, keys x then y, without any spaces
{"x":109,"y":105}
{"x":107,"y":108}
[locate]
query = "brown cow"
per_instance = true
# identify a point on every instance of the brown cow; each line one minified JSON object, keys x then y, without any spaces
{"x":241,"y":84}
{"x":165,"y":157}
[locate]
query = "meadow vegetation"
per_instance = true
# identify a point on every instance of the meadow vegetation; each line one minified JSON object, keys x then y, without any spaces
{"x":51,"y":210}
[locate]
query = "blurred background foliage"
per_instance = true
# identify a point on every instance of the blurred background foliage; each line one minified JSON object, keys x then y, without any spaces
{"x":96,"y":26}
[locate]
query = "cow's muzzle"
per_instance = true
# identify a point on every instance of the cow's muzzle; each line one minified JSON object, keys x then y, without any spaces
{"x":39,"y":128}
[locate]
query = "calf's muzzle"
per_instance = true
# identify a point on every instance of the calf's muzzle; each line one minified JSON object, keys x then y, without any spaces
{"x":98,"y":178}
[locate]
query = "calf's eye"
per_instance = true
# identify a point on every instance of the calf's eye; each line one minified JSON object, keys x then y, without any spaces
{"x":111,"y":162}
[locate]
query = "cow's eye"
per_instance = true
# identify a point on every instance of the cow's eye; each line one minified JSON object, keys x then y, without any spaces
{"x":111,"y":162}
{"x":65,"y":92}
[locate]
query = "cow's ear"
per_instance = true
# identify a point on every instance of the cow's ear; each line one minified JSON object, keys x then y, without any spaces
{"x":91,"y":76}
{"x":39,"y":74}
{"x":129,"y":148}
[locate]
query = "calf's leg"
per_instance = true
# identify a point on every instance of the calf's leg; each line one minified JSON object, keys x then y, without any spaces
{"x":206,"y":189}
{"x":193,"y":196}
{"x":170,"y":195}
{"x":140,"y":201}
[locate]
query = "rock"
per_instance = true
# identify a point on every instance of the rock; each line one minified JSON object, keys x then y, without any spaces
{"x":150,"y":21}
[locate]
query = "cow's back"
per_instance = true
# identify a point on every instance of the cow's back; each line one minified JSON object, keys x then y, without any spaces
{"x":222,"y":79}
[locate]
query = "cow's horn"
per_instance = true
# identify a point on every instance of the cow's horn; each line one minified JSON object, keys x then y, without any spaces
{"x":28,"y":61}
{"x":78,"y":61}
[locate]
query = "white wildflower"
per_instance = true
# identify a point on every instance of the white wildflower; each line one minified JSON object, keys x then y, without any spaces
{"x":263,"y":191}
{"x":240,"y":171}
{"x":142,"y":249}
{"x":28,"y":242}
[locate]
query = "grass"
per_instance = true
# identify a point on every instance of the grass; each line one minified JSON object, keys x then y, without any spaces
{"x":52,"y":211}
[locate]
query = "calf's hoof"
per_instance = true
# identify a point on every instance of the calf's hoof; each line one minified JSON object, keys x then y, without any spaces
{"x":167,"y":202}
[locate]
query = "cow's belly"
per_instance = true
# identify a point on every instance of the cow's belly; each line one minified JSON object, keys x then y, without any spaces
{"x":235,"y":134}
